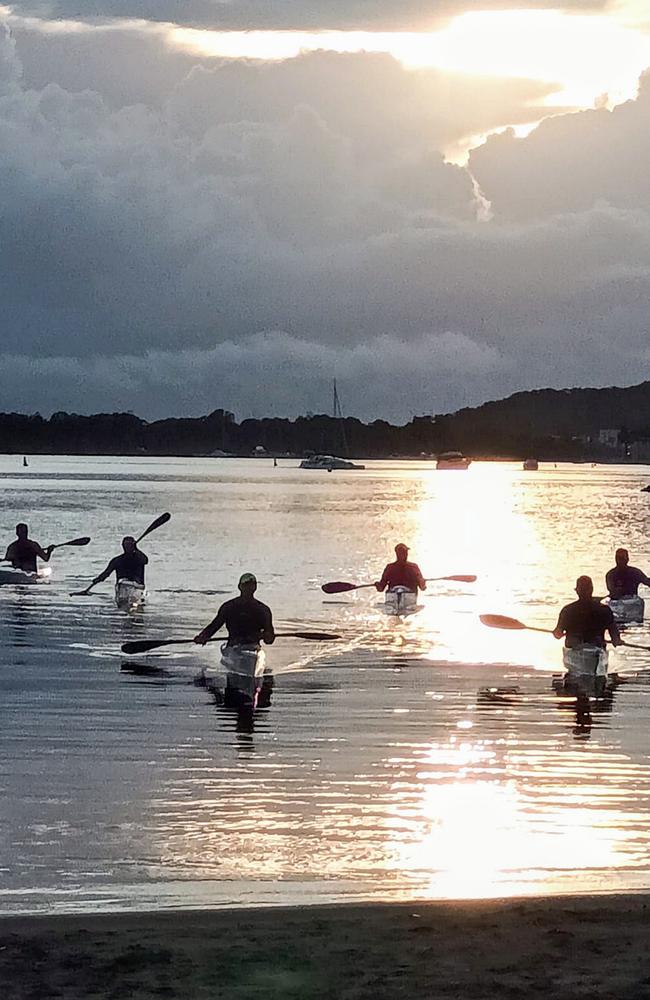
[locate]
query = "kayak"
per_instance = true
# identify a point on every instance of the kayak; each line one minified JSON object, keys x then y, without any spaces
{"x":401,"y":601}
{"x":10,"y":576}
{"x":244,"y":672}
{"x":627,"y":609}
{"x":586,"y":669}
{"x":129,"y":594}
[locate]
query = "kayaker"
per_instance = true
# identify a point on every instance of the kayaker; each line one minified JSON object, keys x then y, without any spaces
{"x":128,"y":566}
{"x":402,"y":573}
{"x":247,"y":620}
{"x":23,"y":553}
{"x":585,"y":621}
{"x":623,"y":580}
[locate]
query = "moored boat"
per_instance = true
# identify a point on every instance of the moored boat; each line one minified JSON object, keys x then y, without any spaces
{"x":531,"y":465}
{"x":627,"y":609}
{"x":452,"y":460}
{"x":129,"y":594}
{"x":328,"y":463}
{"x":18,"y":577}
{"x":400,"y":601}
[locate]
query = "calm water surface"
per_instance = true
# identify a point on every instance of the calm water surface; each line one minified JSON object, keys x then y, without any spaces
{"x":377,"y":771}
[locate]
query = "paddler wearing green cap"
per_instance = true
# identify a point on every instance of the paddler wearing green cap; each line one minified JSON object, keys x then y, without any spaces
{"x":247,"y":620}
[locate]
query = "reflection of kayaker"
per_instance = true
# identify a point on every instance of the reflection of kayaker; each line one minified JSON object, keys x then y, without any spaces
{"x":583,"y":624}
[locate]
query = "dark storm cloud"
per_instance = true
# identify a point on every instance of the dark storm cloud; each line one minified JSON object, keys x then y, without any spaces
{"x":258,"y":229}
{"x":386,"y":15}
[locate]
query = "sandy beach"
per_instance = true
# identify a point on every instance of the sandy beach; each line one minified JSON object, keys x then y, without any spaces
{"x":561,"y":947}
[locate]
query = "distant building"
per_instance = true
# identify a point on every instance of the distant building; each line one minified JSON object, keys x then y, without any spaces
{"x":609,"y":438}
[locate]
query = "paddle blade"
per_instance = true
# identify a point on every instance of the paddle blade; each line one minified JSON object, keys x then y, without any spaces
{"x":338,"y":587}
{"x":460,"y":578}
{"x":144,"y":645}
{"x":501,"y":621}
{"x":74,"y":541}
{"x":163,"y":519}
{"x":314,"y":636}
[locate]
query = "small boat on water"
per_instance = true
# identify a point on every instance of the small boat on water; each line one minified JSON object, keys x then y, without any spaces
{"x":400,"y":602}
{"x":453,"y":460}
{"x":531,"y":465}
{"x":129,"y":594}
{"x":627,"y":609}
{"x":18,"y":577}
{"x":328,"y":463}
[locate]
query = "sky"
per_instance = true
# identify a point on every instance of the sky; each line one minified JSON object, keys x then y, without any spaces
{"x":208,"y":204}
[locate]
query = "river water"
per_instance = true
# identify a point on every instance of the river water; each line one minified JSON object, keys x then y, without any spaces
{"x":378,"y":771}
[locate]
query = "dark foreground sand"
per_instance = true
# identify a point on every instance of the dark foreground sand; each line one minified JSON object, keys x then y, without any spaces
{"x":551,"y":948}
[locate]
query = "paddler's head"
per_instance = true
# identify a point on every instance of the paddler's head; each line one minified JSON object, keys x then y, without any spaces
{"x":402,"y":552}
{"x":247,"y":585}
{"x":584,"y":587}
{"x":22,"y":531}
{"x":128,"y":543}
{"x":622,"y":557}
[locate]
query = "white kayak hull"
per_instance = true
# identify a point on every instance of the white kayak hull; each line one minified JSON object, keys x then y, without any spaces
{"x":627,"y":609}
{"x":18,"y":577}
{"x":400,"y":601}
{"x":241,"y":675}
{"x":586,"y":669}
{"x":129,"y":594}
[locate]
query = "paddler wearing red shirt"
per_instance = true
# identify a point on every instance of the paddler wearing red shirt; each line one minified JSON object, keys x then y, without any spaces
{"x":402,"y":573}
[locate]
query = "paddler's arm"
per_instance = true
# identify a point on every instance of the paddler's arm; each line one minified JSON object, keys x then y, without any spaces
{"x":609,"y":583}
{"x":104,"y":575}
{"x":559,"y":631}
{"x":422,"y":583}
{"x":43,"y":554}
{"x":268,"y":632}
{"x":205,"y":634}
{"x":614,"y":633}
{"x":383,"y":583}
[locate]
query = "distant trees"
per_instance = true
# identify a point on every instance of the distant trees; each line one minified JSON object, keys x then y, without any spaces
{"x":545,"y":423}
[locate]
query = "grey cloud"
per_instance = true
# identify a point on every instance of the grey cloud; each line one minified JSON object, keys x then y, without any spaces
{"x":250,"y":236}
{"x":262,"y":375}
{"x":571,"y":162}
{"x":387,"y":15}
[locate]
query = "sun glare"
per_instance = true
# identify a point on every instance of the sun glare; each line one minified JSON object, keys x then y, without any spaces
{"x":586,"y":58}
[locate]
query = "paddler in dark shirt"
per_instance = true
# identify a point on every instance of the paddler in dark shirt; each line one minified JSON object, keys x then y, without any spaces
{"x":22,"y":553}
{"x":585,"y":621}
{"x":247,"y":620}
{"x":623,"y":580}
{"x":129,"y":566}
{"x":402,"y":573}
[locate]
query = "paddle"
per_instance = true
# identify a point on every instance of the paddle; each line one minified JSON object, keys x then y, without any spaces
{"x":144,"y":645}
{"x":73,"y":541}
{"x":502,"y":621}
{"x":338,"y":587}
{"x":163,"y":519}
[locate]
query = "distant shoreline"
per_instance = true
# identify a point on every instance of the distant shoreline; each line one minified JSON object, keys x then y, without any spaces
{"x":563,"y":946}
{"x":600,"y":425}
